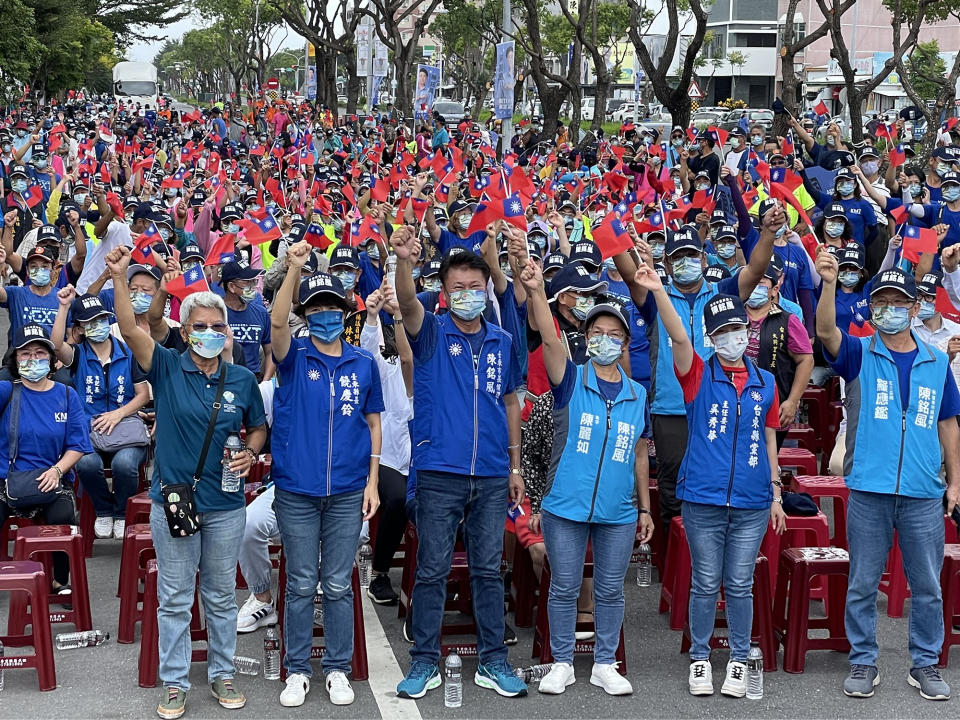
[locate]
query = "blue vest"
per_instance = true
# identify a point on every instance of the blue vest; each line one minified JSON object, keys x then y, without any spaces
{"x":892,"y":449}
{"x":591,"y":479}
{"x":103,"y":388}
{"x":726,"y":459}
{"x":667,"y":395}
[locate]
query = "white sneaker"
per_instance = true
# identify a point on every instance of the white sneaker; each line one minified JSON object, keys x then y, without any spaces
{"x":556,"y":681}
{"x":118,"y":527}
{"x":701,"y":678}
{"x":103,"y":527}
{"x":735,"y":684}
{"x":338,"y":688}
{"x":295,"y":692}
{"x":607,"y":677}
{"x":255,"y":614}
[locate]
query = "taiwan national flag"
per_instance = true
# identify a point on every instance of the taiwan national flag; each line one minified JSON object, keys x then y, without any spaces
{"x":141,"y":248}
{"x":193,"y":280}
{"x":32,"y":196}
{"x":899,"y":214}
{"x":511,"y":210}
{"x":612,"y":238}
{"x":787,"y":147}
{"x":316,"y":237}
{"x":223,"y":250}
{"x":897,"y":156}
{"x":918,"y":240}
{"x":261,"y":231}
{"x":379,"y":189}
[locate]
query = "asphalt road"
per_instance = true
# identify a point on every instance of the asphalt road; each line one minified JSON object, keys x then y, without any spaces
{"x":101,"y":682}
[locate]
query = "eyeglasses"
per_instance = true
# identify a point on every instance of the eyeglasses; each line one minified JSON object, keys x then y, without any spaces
{"x":216,"y":327}
{"x":32,"y":355}
{"x":615,"y":335}
{"x":898,"y":302}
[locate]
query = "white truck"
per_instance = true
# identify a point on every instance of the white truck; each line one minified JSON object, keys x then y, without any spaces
{"x":135,"y":82}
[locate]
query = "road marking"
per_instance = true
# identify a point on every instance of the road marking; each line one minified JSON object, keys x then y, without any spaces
{"x":385,"y":671}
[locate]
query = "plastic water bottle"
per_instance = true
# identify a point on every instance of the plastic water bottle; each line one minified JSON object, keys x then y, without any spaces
{"x":246,"y":665}
{"x":755,"y":672}
{"x":88,"y":638}
{"x":229,"y":480}
{"x":534,"y":673}
{"x":364,"y":560}
{"x":390,"y":269}
{"x":644,"y":566}
{"x":271,"y":655}
{"x":453,"y":686}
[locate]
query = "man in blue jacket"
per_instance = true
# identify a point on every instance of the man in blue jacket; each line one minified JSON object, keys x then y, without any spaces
{"x":902,"y":407}
{"x":466,"y":448}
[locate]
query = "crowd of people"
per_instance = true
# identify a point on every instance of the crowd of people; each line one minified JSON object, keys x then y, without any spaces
{"x":497,"y":340}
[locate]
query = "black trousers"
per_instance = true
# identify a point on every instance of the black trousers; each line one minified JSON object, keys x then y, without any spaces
{"x":393,"y":517}
{"x":62,"y":511}
{"x":670,"y":436}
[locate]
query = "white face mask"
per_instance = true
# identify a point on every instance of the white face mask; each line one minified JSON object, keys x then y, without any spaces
{"x":731,"y":345}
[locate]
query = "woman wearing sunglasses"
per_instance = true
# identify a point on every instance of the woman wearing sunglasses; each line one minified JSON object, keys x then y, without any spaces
{"x":187,"y":387}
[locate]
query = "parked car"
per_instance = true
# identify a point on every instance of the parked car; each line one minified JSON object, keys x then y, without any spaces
{"x":613,"y":104}
{"x":624,"y":113}
{"x":587,"y":107}
{"x":706,"y":118}
{"x":453,"y":112}
{"x":755,"y":116}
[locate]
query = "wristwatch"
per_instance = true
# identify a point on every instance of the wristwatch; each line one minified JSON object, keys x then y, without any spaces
{"x":778,"y":499}
{"x":516,"y":471}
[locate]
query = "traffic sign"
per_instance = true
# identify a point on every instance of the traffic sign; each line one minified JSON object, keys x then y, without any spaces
{"x":272,"y":84}
{"x":695,"y":92}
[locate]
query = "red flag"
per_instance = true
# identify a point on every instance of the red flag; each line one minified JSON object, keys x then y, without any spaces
{"x":615,"y":181}
{"x":612,"y":238}
{"x":223,"y":250}
{"x":144,"y":164}
{"x":865,"y":330}
{"x":141,"y":247}
{"x":190,"y":282}
{"x":821,"y":109}
{"x":899,"y":214}
{"x":918,"y":240}
{"x":316,"y":237}
{"x":782,"y":192}
{"x":33,"y":196}
{"x":810,"y":245}
{"x":945,"y":307}
{"x":897,"y":156}
{"x":261,"y":231}
{"x":113,"y":200}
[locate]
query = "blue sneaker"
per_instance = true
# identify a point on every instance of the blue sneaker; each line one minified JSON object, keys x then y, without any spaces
{"x":421,"y":677}
{"x":499,"y":676}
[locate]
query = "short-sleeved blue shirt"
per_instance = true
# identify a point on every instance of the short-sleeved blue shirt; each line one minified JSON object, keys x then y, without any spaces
{"x":27,"y":307}
{"x":184,"y":398}
{"x":251,"y":329}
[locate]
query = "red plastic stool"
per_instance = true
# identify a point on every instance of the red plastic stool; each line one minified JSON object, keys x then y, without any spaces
{"x":8,"y":533}
{"x":88,"y":517}
{"x":675,"y":588}
{"x":541,"y":635}
{"x":138,"y":509}
{"x":950,"y":589}
{"x":45,"y":539}
{"x":762,"y":630}
{"x":829,"y":486}
{"x":359,"y":668}
{"x":27,"y":577}
{"x":137,"y":549}
{"x":802,"y":460}
{"x":148,"y":662}
{"x":798,"y":566}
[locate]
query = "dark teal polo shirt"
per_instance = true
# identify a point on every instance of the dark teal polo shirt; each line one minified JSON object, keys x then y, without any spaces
{"x":184,"y":397}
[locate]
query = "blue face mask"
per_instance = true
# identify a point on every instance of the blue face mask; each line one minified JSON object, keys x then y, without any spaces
{"x":97,"y":330}
{"x":208,"y":343}
{"x":891,"y":319}
{"x":833,"y":229}
{"x":19,"y":185}
{"x":39,"y":276}
{"x":845,"y":188}
{"x":951,"y":193}
{"x":927,"y":310}
{"x":849,"y":278}
{"x":40,"y":164}
{"x":726,"y":250}
{"x":347,"y":279}
{"x":373,"y":252}
{"x":141,"y":302}
{"x":468,"y":304}
{"x":604,"y":350}
{"x":781,"y":231}
{"x":326,"y":325}
{"x":80,"y":198}
{"x":431,"y":285}
{"x":687,"y":271}
{"x":756,"y":140}
{"x":232,"y":227}
{"x":759,"y":297}
{"x":584,"y":305}
{"x":415,"y":272}
{"x":656,"y":250}
{"x":34,"y":370}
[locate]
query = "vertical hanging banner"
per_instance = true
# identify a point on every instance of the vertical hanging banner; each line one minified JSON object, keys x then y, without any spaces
{"x":504,"y":80}
{"x":428,"y":80}
{"x":311,"y":84}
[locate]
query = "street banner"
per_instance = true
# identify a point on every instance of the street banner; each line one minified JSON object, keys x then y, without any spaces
{"x":428,"y":80}
{"x":504,"y":80}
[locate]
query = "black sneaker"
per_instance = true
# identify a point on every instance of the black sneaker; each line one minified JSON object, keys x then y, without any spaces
{"x":408,"y":627}
{"x":381,"y":592}
{"x":509,"y":636}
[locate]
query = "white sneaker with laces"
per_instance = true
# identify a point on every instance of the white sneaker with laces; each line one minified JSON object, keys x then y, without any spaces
{"x":103,"y":527}
{"x":607,"y":677}
{"x":735,"y":683}
{"x":556,"y":681}
{"x":255,"y":614}
{"x":118,"y":527}
{"x":701,"y":678}
{"x":338,"y":688}
{"x":295,"y":692}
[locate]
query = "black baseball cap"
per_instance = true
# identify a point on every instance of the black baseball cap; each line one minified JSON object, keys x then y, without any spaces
{"x":430,"y":269}
{"x":895,"y":279}
{"x":610,"y":309}
{"x":320,"y":285}
{"x":231,"y":211}
{"x":853,"y":254}
{"x":929,"y":283}
{"x":87,"y":307}
{"x":728,"y":232}
{"x":718,"y":217}
{"x":345,"y":255}
{"x":576,"y":278}
{"x":32,"y":333}
{"x":237,"y":270}
{"x":554,"y":261}
{"x":723,"y":310}
{"x":192,"y":252}
{"x":716,"y":273}
{"x":682,"y":240}
{"x":950,"y":177}
{"x":587,"y":253}
{"x":774,"y":269}
{"x":137,"y":268}
{"x":835,"y":210}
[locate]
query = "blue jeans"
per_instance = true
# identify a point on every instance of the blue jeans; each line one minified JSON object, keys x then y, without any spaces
{"x":212,"y":551}
{"x":566,"y":542}
{"x":443,"y":500}
{"x":306,"y":522}
{"x":724,"y":543}
{"x":124,"y":464}
{"x":871,"y":520}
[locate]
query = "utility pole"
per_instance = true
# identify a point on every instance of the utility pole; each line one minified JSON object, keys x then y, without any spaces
{"x":506,"y":125}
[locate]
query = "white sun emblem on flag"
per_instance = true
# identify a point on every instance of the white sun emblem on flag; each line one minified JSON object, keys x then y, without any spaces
{"x":515,"y":207}
{"x":456,"y":349}
{"x":757,"y":397}
{"x":313,"y":375}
